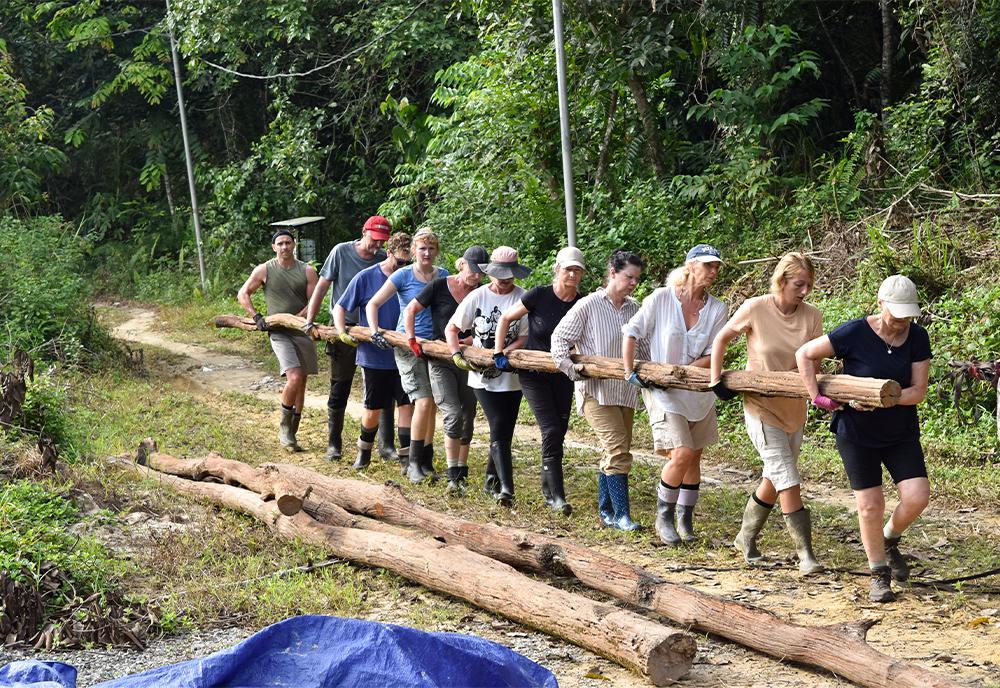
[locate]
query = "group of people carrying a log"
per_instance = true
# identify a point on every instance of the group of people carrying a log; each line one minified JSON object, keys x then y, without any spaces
{"x":387,"y":281}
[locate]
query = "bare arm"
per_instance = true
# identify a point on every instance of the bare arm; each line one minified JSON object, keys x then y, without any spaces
{"x":703,"y":362}
{"x":718,"y":356}
{"x":451,"y":336}
{"x":515,"y":312}
{"x":340,"y":318}
{"x":311,"y":278}
{"x":410,"y":318}
{"x":628,"y":354}
{"x":807,"y":358}
{"x":387,"y":292}
{"x":253,"y":283}
{"x":316,"y":296}
{"x":920,"y":372}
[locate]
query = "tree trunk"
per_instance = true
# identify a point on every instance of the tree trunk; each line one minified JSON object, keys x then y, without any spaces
{"x":869,"y":392}
{"x":626,"y":638}
{"x":649,"y":127}
{"x":605,"y":155}
{"x":888,"y":48}
{"x":840,"y":648}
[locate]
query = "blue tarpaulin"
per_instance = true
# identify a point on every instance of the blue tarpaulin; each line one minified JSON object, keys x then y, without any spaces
{"x":322,"y":651}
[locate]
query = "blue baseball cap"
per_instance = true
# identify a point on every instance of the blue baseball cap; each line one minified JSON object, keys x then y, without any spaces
{"x":704,"y":253}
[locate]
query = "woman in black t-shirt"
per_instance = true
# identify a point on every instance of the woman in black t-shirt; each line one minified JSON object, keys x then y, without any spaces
{"x":885,"y":346}
{"x":549,"y":395}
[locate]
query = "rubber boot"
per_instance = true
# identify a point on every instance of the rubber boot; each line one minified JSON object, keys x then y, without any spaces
{"x":618,"y":491}
{"x":800,"y":528}
{"x":286,"y":435}
{"x":897,"y":562}
{"x":605,"y":509}
{"x":552,"y":485}
{"x":881,"y":585}
{"x":504,"y":463}
{"x":364,"y":456}
{"x":685,"y":522}
{"x":296,"y":419}
{"x":455,"y":486}
{"x":491,"y":486}
{"x":387,"y":435}
{"x":754,"y":518}
{"x":665,"y":523}
{"x":427,"y":463}
{"x":413,"y":471}
{"x":335,"y":428}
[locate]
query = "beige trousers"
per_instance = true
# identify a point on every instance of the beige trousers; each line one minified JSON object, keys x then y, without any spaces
{"x":613,"y":426}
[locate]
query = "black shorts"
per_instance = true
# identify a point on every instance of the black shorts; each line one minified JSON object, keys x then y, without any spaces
{"x":382,"y":388}
{"x":864,"y":464}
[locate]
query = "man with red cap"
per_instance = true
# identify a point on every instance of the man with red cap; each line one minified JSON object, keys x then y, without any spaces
{"x":344,"y":262}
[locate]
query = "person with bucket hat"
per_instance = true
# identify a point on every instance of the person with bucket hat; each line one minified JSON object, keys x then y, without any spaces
{"x":418,"y":462}
{"x":776,"y":324}
{"x":887,"y":345}
{"x":345,"y":261}
{"x":549,"y":395}
{"x":288,"y":283}
{"x":594,"y":328}
{"x":497,"y":390}
{"x":679,"y":320}
{"x":449,"y":383}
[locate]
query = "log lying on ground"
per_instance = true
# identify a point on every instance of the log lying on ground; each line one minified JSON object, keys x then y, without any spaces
{"x":626,"y":638}
{"x":869,"y":392}
{"x":839,"y":648}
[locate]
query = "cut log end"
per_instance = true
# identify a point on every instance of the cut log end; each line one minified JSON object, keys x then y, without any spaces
{"x":671,"y":660}
{"x":289,"y":504}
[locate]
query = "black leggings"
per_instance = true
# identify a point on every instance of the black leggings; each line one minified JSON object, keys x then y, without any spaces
{"x":501,"y":412}
{"x":550,"y":396}
{"x":864,"y":464}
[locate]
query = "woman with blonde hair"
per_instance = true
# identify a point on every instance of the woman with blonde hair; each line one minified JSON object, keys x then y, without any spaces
{"x":405,"y":284}
{"x":776,"y":324}
{"x":680,"y":321}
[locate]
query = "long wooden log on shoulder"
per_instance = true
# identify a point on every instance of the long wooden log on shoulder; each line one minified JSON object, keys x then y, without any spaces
{"x":633,"y":641}
{"x":869,"y":392}
{"x":838,"y":648}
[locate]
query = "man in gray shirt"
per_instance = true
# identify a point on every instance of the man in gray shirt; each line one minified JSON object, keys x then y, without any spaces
{"x":344,"y":262}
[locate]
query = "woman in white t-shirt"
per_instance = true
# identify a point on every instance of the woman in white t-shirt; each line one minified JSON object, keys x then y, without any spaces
{"x":776,"y":324}
{"x":497,"y":389}
{"x":680,"y":321}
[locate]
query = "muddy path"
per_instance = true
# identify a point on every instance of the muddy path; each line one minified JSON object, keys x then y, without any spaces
{"x":958,"y":639}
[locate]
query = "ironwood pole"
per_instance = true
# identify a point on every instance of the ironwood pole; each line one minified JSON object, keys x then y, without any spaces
{"x":567,"y":153}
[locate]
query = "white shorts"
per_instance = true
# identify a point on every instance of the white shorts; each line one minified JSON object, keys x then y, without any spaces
{"x":778,"y":449}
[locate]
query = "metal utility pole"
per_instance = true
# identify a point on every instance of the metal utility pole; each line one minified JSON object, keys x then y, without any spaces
{"x":187,"y":150}
{"x":567,"y":153}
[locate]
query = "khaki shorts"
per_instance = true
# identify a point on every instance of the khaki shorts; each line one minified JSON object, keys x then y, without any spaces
{"x":413,"y":374}
{"x":674,"y":431}
{"x":294,"y":350}
{"x":778,"y":449}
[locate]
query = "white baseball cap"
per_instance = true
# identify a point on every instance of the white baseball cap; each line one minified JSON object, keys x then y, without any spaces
{"x":570,"y":257}
{"x":899,"y":294}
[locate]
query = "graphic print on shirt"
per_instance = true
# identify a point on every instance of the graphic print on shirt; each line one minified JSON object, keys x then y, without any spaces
{"x":484,"y":329}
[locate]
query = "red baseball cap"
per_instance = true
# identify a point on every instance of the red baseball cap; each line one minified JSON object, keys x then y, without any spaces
{"x":378,"y":226}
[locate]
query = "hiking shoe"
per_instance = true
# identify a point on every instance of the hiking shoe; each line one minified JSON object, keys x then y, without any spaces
{"x":881,"y":589}
{"x":897,"y":562}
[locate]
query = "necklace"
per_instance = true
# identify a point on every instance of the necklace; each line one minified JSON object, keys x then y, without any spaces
{"x":888,"y":342}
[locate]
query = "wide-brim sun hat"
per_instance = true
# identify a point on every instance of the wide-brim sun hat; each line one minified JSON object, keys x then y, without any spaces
{"x":899,"y":294}
{"x":475,"y":257}
{"x":704,"y":253}
{"x":504,"y":264}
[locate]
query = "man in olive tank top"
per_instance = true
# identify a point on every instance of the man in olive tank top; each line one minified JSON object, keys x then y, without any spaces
{"x":288,"y":283}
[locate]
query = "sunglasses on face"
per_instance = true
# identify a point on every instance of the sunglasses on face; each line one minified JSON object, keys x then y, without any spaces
{"x":403,"y":262}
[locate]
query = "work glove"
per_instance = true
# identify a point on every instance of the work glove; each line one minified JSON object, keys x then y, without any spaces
{"x":309,"y":327}
{"x":259,"y":321}
{"x":723,"y":392}
{"x":501,"y":363}
{"x":633,"y":379}
{"x":825,"y":403}
{"x":379,"y":340}
{"x":574,"y":371}
{"x":415,"y":347}
{"x":460,"y":361}
{"x":347,"y":339}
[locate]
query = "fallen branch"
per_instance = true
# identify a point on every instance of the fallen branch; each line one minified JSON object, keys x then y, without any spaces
{"x":629,"y":639}
{"x":844,"y":388}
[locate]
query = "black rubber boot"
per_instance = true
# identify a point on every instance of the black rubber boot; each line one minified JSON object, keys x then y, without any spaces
{"x":665,"y":522}
{"x":335,"y":429}
{"x":897,"y":562}
{"x":364,"y":456}
{"x":413,"y":471}
{"x":881,"y":587}
{"x":427,"y":463}
{"x":504,"y":463}
{"x":552,"y":485}
{"x":685,"y":523}
{"x":296,"y":419}
{"x":387,"y":435}
{"x":491,"y":485}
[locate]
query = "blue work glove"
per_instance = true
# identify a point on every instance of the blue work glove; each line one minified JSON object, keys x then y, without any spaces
{"x":379,"y":340}
{"x":633,"y":379}
{"x":501,"y":363}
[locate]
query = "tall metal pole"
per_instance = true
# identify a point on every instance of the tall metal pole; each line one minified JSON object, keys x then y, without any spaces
{"x":187,"y":150}
{"x":567,"y":153}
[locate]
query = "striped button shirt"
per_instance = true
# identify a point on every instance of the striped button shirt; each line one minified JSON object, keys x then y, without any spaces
{"x":594,"y":328}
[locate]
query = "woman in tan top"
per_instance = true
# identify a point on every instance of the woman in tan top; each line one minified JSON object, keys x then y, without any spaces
{"x":776,"y":324}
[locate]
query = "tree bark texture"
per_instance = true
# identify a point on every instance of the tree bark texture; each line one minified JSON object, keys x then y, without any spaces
{"x":869,"y":392}
{"x":840,"y":648}
{"x":649,"y":127}
{"x":633,"y":641}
